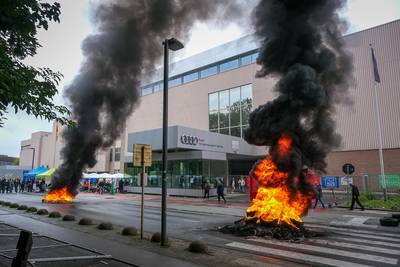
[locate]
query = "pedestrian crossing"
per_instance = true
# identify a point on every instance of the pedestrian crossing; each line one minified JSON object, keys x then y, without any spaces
{"x":337,"y":246}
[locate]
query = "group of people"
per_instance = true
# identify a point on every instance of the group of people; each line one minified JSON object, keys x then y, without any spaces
{"x":241,"y":185}
{"x":355,"y":194}
{"x":15,"y":185}
{"x":220,"y":190}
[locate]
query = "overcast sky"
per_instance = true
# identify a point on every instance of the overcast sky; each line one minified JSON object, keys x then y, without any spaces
{"x":60,"y":51}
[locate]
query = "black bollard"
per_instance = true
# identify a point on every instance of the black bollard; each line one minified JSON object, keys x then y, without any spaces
{"x":24,"y":247}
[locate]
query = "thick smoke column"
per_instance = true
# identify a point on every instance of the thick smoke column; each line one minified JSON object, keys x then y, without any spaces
{"x":302,"y":45}
{"x":126,"y":46}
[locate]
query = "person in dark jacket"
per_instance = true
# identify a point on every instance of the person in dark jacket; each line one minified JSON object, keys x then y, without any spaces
{"x":3,"y":185}
{"x":207,"y":188}
{"x":318,"y":196}
{"x":354,"y":197}
{"x":121,"y":186}
{"x":220,"y":191}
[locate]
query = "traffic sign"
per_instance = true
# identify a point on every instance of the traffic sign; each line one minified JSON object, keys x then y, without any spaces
{"x":137,"y":155}
{"x":346,"y":180}
{"x":330,"y":182}
{"x":348,"y":168}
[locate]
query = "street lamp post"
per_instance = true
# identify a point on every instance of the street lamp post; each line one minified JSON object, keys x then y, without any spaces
{"x":174,"y":45}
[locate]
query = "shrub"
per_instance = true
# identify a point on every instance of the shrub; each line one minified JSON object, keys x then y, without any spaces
{"x":31,"y":209}
{"x":42,"y":212}
{"x":85,"y":221}
{"x":198,"y":247}
{"x":129,"y":231}
{"x":7,"y":203}
{"x":1,"y":202}
{"x":23,"y":207}
{"x":156,"y":238}
{"x":14,"y":206}
{"x":105,"y":226}
{"x":55,"y":214}
{"x":68,"y":218}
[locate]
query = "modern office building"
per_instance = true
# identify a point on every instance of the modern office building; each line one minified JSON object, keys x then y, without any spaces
{"x":212,"y":94}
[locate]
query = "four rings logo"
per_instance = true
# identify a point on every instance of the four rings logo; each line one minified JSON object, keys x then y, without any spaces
{"x":189,"y":140}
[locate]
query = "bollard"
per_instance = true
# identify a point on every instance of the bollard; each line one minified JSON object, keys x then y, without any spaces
{"x":24,"y":247}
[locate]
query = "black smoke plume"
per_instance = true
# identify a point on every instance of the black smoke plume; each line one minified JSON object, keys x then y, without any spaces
{"x":302,"y":46}
{"x":126,"y":46}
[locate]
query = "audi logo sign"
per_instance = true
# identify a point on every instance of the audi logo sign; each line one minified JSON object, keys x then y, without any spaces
{"x":189,"y":140}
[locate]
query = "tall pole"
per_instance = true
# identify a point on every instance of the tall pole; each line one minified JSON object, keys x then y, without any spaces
{"x":164,"y":149}
{"x":378,"y":121}
{"x":142,"y":195}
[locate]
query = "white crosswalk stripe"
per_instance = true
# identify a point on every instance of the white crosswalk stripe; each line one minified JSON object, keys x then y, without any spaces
{"x":351,"y":230}
{"x":338,"y":247}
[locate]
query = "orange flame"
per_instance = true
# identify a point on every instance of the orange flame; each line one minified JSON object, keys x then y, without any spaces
{"x":273,"y":201}
{"x":59,"y":195}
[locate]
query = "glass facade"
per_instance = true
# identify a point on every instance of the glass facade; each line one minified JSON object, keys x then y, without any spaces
{"x":117,"y":154}
{"x":225,"y":65}
{"x":209,"y":71}
{"x":185,"y":174}
{"x":229,"y":110}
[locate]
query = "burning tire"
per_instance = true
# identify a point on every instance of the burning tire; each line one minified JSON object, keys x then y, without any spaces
{"x":389,"y":221}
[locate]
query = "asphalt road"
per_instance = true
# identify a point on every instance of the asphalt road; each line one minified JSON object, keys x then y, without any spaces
{"x":347,"y":238}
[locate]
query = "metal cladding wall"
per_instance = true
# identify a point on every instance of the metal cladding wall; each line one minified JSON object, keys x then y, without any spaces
{"x":356,"y":123}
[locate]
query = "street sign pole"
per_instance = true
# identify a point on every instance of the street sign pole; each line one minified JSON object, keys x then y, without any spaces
{"x":347,"y":176}
{"x":142,"y":157}
{"x":142,"y":204}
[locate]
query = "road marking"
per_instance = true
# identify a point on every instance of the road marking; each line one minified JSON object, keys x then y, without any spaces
{"x":372,"y":242}
{"x":338,"y":223}
{"x":355,"y":246}
{"x":353,"y":230}
{"x":193,"y":221}
{"x":358,"y":220}
{"x":295,"y":255}
{"x":369,"y":236}
{"x":331,"y":251}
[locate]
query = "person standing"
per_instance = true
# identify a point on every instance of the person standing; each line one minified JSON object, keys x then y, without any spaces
{"x":120,"y":186}
{"x":3,"y":185}
{"x":233,"y":184}
{"x":220,"y":191}
{"x":354,"y":196}
{"x":16,"y":185}
{"x":242,"y":185}
{"x":318,"y":196}
{"x":207,"y":188}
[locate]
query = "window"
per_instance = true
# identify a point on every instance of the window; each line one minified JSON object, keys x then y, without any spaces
{"x":213,"y":102}
{"x":117,"y":154}
{"x":158,"y":87}
{"x":191,"y":77}
{"x":233,"y":64}
{"x":246,"y":60}
{"x":209,"y":71}
{"x":229,"y":110}
{"x":254,"y":57}
{"x":147,"y":90}
{"x":175,"y":82}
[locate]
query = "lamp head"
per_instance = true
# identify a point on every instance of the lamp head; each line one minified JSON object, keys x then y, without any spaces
{"x":174,"y":44}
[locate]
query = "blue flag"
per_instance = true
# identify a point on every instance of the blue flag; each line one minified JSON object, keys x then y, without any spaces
{"x":375,"y":65}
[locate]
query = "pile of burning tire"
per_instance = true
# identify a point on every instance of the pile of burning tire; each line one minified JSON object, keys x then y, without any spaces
{"x":391,"y":221}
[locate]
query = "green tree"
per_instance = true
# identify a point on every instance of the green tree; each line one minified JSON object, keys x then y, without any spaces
{"x":24,"y":87}
{"x":16,"y":161}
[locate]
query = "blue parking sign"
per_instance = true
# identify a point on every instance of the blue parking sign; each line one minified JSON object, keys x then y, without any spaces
{"x":330,"y":182}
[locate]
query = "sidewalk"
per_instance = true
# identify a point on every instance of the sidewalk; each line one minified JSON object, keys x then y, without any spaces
{"x":130,"y":254}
